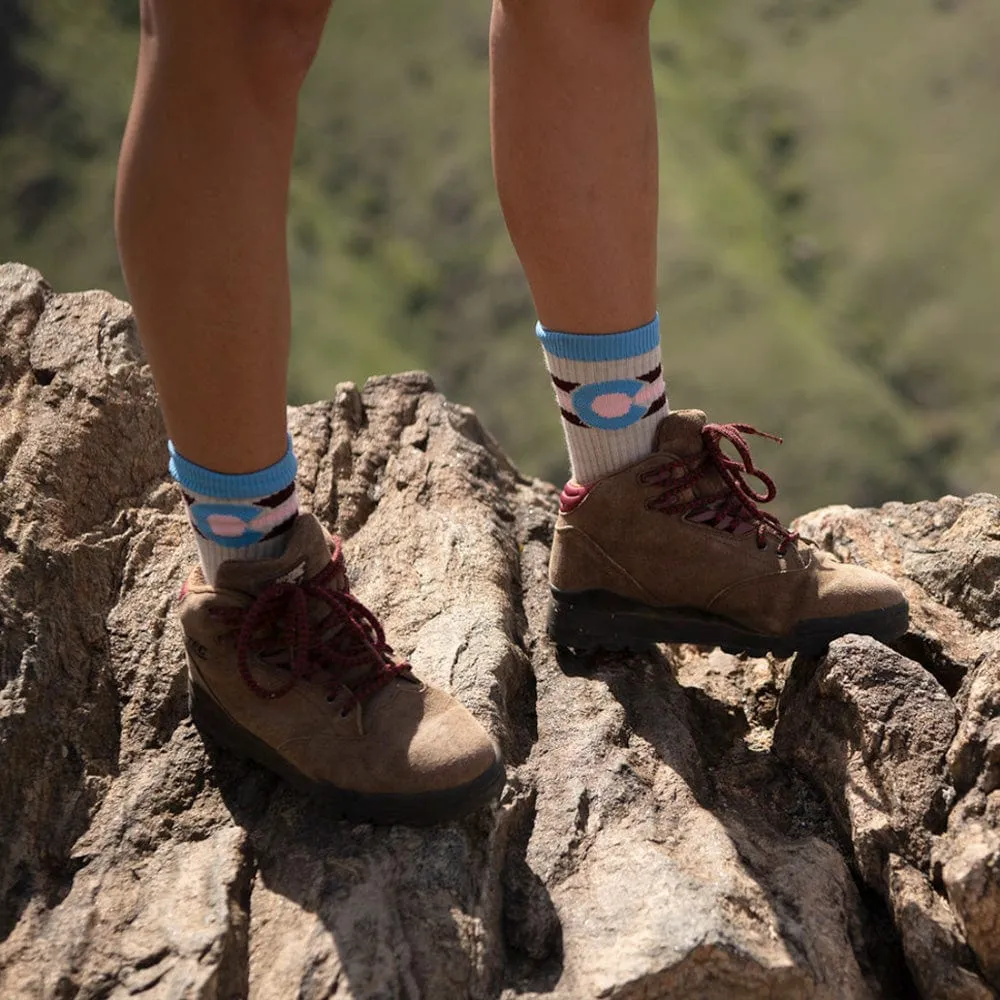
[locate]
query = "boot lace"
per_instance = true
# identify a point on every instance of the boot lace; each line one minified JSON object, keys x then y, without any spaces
{"x":348,"y":635}
{"x":734,"y":508}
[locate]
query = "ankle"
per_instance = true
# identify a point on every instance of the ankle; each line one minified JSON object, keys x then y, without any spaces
{"x":607,"y":386}
{"x":238,"y":517}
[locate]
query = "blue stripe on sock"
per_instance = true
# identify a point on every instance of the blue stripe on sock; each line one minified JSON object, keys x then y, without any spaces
{"x":207,"y":483}
{"x":601,"y":346}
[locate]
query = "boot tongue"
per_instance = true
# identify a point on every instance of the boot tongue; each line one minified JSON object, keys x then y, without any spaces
{"x":679,"y":433}
{"x":307,"y":553}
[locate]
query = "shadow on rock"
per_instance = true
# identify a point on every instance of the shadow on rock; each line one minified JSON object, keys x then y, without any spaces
{"x":751,"y":833}
{"x":382,"y":912}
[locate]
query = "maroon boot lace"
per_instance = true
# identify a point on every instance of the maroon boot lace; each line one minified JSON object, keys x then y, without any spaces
{"x":347,"y":637}
{"x":734,"y":508}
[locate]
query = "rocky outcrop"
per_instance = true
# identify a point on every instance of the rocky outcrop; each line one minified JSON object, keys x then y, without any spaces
{"x":905,"y":744}
{"x":650,"y":844}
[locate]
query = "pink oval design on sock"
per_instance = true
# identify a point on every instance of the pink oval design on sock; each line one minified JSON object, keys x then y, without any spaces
{"x":226,"y":526}
{"x":612,"y":405}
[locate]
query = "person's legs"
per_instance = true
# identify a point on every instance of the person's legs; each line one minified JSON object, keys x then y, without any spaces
{"x":575,"y":158}
{"x":659,"y":539}
{"x":202,"y":192}
{"x":201,"y":207}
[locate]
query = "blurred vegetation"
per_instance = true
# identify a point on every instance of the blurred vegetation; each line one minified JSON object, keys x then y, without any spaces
{"x":830,"y":222}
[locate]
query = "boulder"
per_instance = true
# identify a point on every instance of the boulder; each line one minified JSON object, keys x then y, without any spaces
{"x":904,"y":744}
{"x":649,"y":843}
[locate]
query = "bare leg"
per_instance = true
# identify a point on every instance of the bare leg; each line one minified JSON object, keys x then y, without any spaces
{"x":575,"y":156}
{"x":202,"y":195}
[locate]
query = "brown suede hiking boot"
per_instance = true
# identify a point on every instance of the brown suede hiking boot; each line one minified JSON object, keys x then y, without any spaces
{"x":675,"y":549}
{"x":288,"y":668}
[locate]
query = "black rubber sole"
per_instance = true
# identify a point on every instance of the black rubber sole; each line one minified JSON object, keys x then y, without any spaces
{"x":597,"y":619}
{"x":422,"y":809}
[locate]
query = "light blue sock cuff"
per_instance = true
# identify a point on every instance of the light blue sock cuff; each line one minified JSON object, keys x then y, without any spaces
{"x":601,"y":346}
{"x":221,"y":486}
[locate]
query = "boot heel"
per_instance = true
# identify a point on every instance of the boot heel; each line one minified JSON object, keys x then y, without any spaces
{"x":581,"y":626}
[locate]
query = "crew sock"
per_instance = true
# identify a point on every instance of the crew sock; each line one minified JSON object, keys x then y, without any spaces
{"x":238,"y":516}
{"x":607,"y":386}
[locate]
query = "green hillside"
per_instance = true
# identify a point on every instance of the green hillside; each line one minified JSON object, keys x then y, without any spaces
{"x":830,"y":228}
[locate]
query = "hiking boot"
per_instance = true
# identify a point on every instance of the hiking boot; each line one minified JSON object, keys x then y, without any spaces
{"x":288,"y":668}
{"x":676,"y":549}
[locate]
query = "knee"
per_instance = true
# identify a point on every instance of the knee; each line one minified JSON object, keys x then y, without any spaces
{"x":599,"y":13}
{"x":284,"y":34}
{"x":274,"y":40}
{"x":620,"y":12}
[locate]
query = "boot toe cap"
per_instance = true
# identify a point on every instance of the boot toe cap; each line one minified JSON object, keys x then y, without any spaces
{"x":848,"y":589}
{"x":450,"y":749}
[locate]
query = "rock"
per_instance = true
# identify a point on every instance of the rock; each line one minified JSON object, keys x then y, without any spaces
{"x":946,"y":557}
{"x":932,"y":939}
{"x":970,"y":859}
{"x":974,"y":757}
{"x":873,"y":729}
{"x":905,"y":745}
{"x":648,"y":845}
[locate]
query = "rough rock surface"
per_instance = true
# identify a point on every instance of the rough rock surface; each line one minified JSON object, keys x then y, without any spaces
{"x":650,"y":843}
{"x":905,"y":744}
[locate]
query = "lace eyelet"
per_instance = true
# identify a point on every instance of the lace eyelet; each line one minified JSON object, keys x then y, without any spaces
{"x":344,"y":712}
